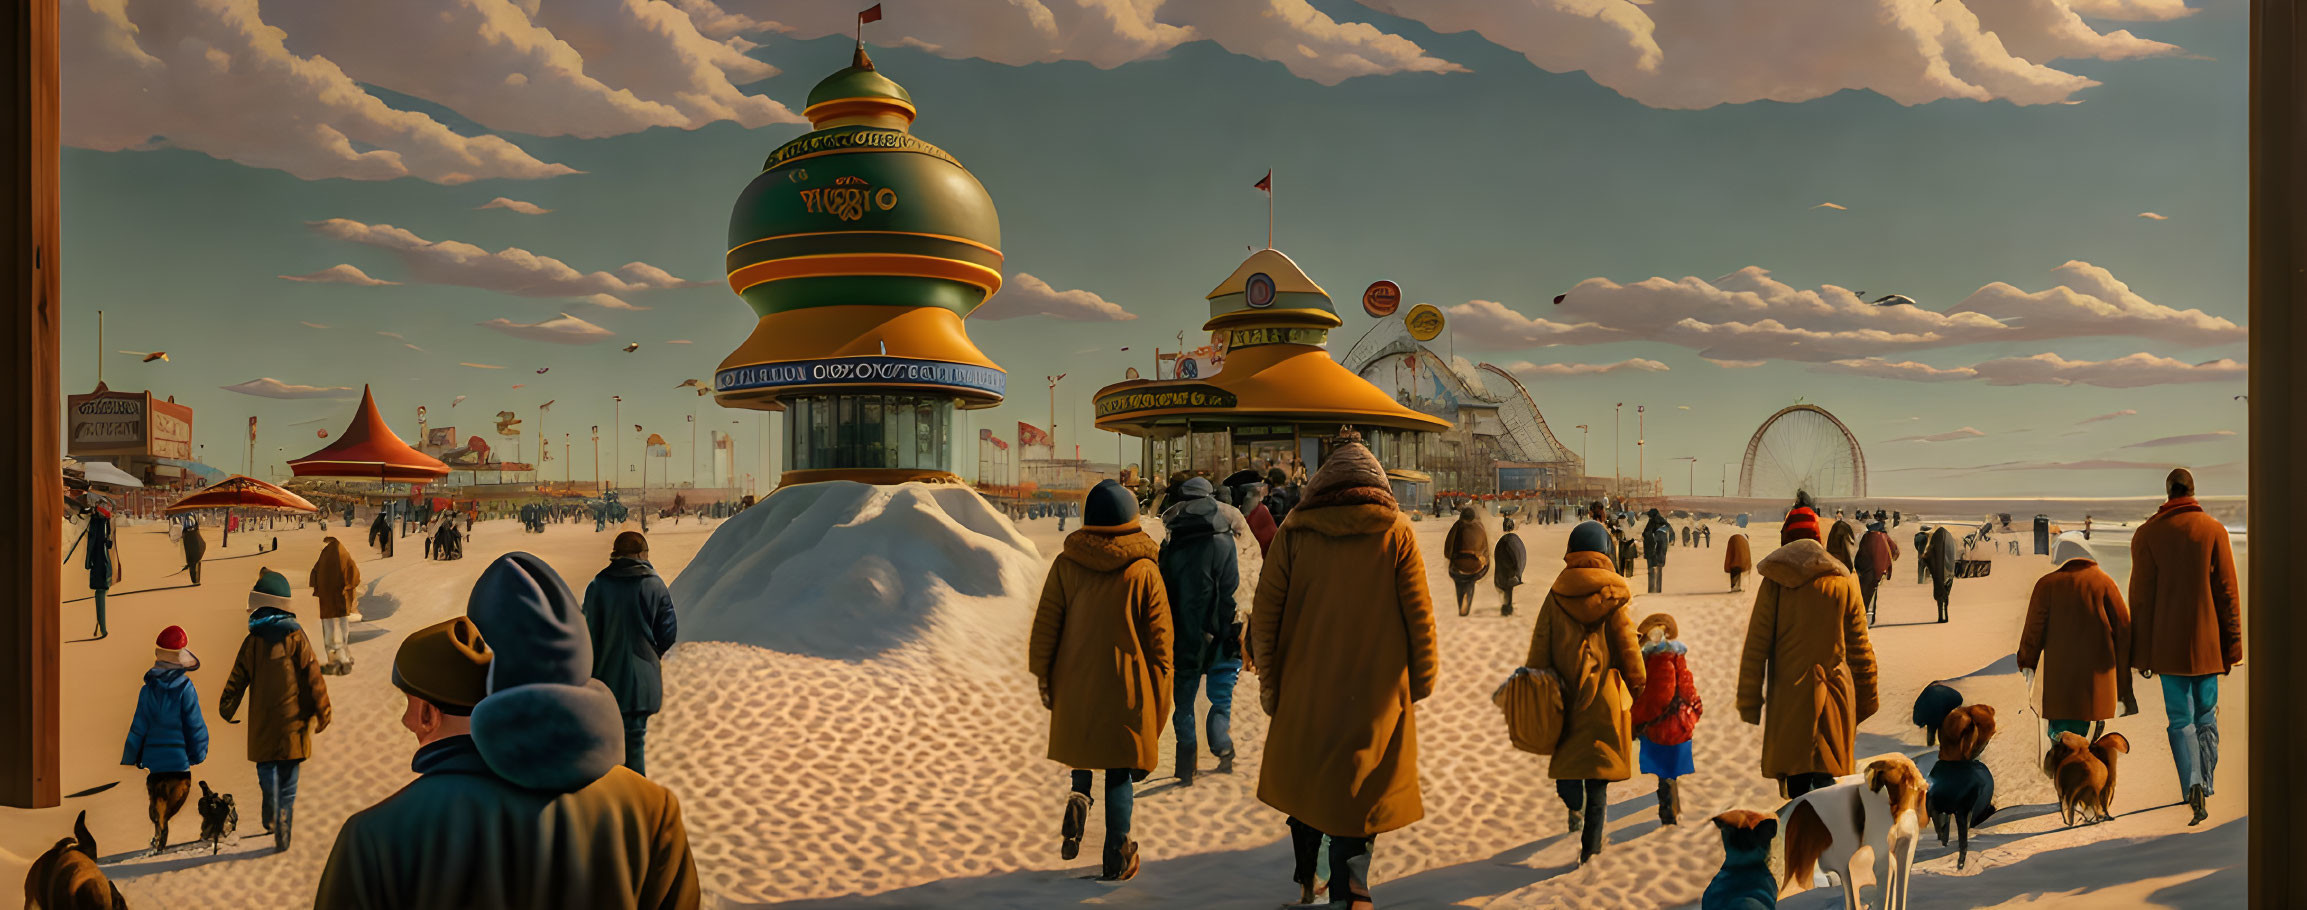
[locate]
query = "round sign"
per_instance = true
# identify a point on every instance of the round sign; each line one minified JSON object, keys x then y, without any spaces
{"x":1188,"y":368}
{"x":1424,"y":322}
{"x":1380,"y":299}
{"x":1259,"y":289}
{"x":1132,"y":374}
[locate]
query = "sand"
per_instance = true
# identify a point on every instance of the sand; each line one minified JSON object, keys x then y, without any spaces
{"x":913,"y":774}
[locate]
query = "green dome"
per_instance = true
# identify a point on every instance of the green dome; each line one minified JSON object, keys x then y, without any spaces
{"x":857,"y":82}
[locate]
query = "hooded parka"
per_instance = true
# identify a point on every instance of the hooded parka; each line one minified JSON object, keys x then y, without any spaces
{"x":1584,"y":635}
{"x":1467,"y":546}
{"x":335,"y":580}
{"x":1101,"y":650}
{"x":1737,"y":558}
{"x":1200,"y":571}
{"x":1808,"y":657}
{"x":2079,"y":632}
{"x":287,"y":697}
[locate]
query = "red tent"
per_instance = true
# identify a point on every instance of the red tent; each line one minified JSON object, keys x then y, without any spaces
{"x":368,"y":450}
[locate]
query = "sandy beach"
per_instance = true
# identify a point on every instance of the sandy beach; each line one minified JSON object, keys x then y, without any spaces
{"x":917,"y":777}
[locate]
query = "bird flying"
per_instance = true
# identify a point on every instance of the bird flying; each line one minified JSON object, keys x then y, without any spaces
{"x":148,"y":357}
{"x":541,"y":371}
{"x":456,"y":401}
{"x":630,"y":348}
{"x":1558,"y":299}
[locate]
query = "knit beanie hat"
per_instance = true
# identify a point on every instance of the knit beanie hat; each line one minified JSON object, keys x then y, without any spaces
{"x":1110,"y":505}
{"x":446,"y":663}
{"x":545,"y":724}
{"x":1801,"y":524}
{"x":1350,"y":466}
{"x":175,"y":647}
{"x":271,"y":591}
{"x":1655,"y":620}
{"x":1590,"y":537}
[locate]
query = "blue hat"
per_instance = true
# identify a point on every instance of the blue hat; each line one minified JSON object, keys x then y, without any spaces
{"x":545,"y":724}
{"x":1110,"y":505}
{"x":1590,"y":537}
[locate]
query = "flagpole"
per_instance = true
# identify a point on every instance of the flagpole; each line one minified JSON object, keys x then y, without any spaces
{"x":1269,"y":208}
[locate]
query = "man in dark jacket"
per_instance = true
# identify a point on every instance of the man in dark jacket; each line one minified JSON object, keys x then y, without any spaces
{"x":519,"y":802}
{"x":1200,"y":571}
{"x":630,"y":615}
{"x":1657,"y":538}
{"x":1942,"y":553}
{"x":103,"y":559}
{"x":1922,"y":542}
{"x":2187,"y":626}
{"x":1281,"y":496}
{"x":380,"y":532}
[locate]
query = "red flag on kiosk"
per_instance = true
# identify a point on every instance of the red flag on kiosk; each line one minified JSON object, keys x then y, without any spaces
{"x":871,"y":14}
{"x":1266,"y":182}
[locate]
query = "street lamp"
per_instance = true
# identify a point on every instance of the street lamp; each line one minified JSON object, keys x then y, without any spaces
{"x":1617,"y":443}
{"x":1641,"y":474}
{"x":1053,"y":415}
{"x":1692,"y":489}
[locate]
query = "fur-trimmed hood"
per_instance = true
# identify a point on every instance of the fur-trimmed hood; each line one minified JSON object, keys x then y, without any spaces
{"x":1669,"y":646}
{"x":1102,"y":551}
{"x":1344,"y":520}
{"x":1797,"y":563}
{"x":1588,"y":590}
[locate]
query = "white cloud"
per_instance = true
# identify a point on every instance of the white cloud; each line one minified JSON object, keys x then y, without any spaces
{"x":610,"y":302}
{"x":565,"y":330}
{"x":680,"y":341}
{"x":2046,"y":30}
{"x":2151,"y":216}
{"x":481,"y":366}
{"x":2088,"y":301}
{"x":1878,"y":368}
{"x":1490,"y":325}
{"x":2127,"y":372}
{"x":514,"y":205}
{"x":1025,"y":295}
{"x":269,"y":387}
{"x":2188,"y":439}
{"x":1830,"y":205}
{"x":339,"y":274}
{"x":1948,"y":436}
{"x":511,"y":270}
{"x":2133,"y":10}
{"x":392,"y":335}
{"x":2111,"y":415}
{"x":311,"y":325}
{"x":1526,"y":368}
{"x":210,"y":76}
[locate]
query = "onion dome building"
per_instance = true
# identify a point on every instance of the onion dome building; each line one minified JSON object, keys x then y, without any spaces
{"x":861,"y":247}
{"x":1277,"y":399}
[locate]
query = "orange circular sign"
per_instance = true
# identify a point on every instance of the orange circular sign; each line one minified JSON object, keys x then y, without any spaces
{"x":1380,"y":299}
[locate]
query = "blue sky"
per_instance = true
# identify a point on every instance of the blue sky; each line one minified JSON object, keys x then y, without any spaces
{"x":1504,"y":182}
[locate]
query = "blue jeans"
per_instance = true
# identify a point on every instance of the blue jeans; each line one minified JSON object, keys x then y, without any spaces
{"x":278,"y":781}
{"x":1221,"y":719}
{"x":1119,"y":794}
{"x":2192,"y":705}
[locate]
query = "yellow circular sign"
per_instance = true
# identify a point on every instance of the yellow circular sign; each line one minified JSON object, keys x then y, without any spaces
{"x":1424,"y":322}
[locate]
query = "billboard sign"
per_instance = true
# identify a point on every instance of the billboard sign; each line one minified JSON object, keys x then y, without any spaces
{"x":106,"y":422}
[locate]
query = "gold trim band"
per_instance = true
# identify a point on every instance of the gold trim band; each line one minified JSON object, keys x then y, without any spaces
{"x":827,"y":265}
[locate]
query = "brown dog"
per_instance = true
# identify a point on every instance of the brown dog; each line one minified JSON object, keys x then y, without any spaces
{"x":66,"y":877}
{"x":2084,"y":775}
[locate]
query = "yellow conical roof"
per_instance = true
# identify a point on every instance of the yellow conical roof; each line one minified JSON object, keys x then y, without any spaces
{"x":1269,"y":287}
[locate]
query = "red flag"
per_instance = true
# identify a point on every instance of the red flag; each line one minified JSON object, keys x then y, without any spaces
{"x":871,"y":14}
{"x":1267,"y":182}
{"x":1030,"y":435}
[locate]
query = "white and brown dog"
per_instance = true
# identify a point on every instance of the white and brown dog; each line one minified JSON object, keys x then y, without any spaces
{"x":1878,"y":811}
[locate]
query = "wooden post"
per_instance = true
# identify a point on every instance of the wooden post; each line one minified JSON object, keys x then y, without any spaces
{"x":31,"y":473}
{"x":2278,"y":489}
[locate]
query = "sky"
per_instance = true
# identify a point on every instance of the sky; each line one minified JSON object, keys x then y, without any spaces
{"x":266,"y":189}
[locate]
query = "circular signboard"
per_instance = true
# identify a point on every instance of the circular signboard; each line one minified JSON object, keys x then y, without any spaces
{"x":1132,"y":373}
{"x":1424,"y":322}
{"x":1380,"y":299}
{"x":1259,"y":290}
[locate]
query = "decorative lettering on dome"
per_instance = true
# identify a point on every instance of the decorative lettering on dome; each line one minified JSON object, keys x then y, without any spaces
{"x":1243,"y":338}
{"x":903,"y":371}
{"x":854,"y":139}
{"x":1196,"y":396}
{"x":849,"y":198}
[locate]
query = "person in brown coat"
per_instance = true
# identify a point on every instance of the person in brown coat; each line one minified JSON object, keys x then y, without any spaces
{"x":1876,"y":555}
{"x":1102,"y":652}
{"x":2079,"y":632}
{"x":1737,"y":560}
{"x":1467,"y":547}
{"x":336,"y":581}
{"x":1584,"y":635}
{"x":287,"y":700}
{"x":1807,"y":656}
{"x":1842,"y":542}
{"x":2186,"y":624}
{"x":1342,"y":634}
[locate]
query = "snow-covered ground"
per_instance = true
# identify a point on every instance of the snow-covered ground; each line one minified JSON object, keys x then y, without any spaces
{"x":895,"y":759}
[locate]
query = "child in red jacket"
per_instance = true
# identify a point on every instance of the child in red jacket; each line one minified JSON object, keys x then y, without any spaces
{"x":1667,"y":711}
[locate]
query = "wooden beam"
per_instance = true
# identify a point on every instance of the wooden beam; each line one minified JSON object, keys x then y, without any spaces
{"x":2278,"y":434}
{"x":31,"y":408}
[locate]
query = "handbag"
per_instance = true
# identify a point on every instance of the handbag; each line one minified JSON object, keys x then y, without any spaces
{"x":1531,"y":700}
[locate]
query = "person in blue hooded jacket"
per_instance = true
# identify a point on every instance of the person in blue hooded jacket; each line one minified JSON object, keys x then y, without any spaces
{"x":1200,"y":570}
{"x":629,"y":613}
{"x":167,"y":736}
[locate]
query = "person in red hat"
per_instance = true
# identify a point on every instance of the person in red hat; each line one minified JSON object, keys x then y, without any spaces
{"x":167,"y":736}
{"x":1808,"y":657}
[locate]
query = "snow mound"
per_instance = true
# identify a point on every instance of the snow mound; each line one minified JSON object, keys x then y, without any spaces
{"x":854,"y":571}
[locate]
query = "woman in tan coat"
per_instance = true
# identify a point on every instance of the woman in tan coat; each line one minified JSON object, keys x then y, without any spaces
{"x":1737,"y":560}
{"x":1807,"y":656}
{"x":1342,"y":635}
{"x":2080,"y":633}
{"x":1584,"y":635}
{"x":1101,"y":650}
{"x":336,"y":581}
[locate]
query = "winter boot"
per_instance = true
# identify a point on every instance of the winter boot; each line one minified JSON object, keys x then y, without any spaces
{"x":1120,"y":863}
{"x":1577,"y":820}
{"x":1225,"y":762}
{"x":2198,"y":802}
{"x":1076,"y":819}
{"x":1668,"y":806}
{"x":1186,"y":757}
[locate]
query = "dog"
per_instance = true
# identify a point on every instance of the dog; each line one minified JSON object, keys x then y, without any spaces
{"x":1932,"y":707}
{"x":1745,"y":882}
{"x":2084,"y":775}
{"x":1962,"y":788}
{"x":66,"y":877}
{"x":218,"y":818}
{"x":1879,"y":809}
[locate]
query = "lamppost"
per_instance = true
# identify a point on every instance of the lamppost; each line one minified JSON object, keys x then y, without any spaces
{"x":616,"y":443}
{"x":1617,"y":443}
{"x":1641,"y":474}
{"x":1692,"y":489}
{"x":1053,"y":415}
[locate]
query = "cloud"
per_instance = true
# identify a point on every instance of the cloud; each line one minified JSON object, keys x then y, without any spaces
{"x":1830,"y":205}
{"x":2111,"y":415}
{"x":210,"y":76}
{"x":413,"y":347}
{"x":1682,"y":407}
{"x":2188,"y":439}
{"x":1698,"y":55}
{"x":1526,"y":368}
{"x":1499,"y":328}
{"x":392,"y":335}
{"x":2087,"y":300}
{"x":481,"y":366}
{"x":2154,"y":217}
{"x":1736,"y":364}
{"x":514,"y":205}
{"x":339,"y":274}
{"x":269,"y":387}
{"x":511,"y":270}
{"x":1908,"y":370}
{"x":311,"y":325}
{"x":1948,"y":436}
{"x":2132,"y":10}
{"x":565,"y":330}
{"x":2128,"y":372}
{"x":680,"y":341}
{"x":609,"y":302}
{"x":1026,"y":295}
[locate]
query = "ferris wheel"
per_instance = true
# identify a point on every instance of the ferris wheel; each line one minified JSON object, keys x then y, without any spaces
{"x":1802,"y":447}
